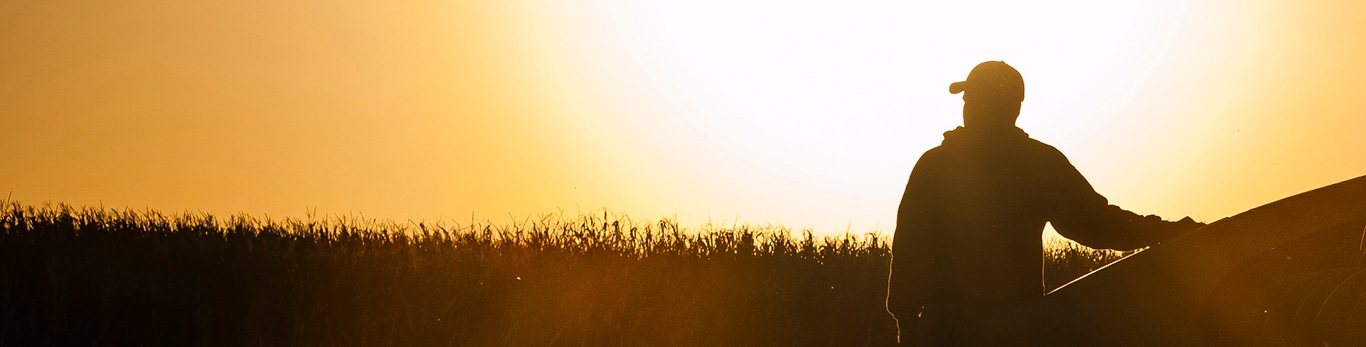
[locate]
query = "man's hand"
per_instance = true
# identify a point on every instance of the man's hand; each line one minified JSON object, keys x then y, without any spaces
{"x":1187,"y":224}
{"x":1174,"y":229}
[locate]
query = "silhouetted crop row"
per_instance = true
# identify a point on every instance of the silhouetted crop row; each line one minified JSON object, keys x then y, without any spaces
{"x":86,"y":276}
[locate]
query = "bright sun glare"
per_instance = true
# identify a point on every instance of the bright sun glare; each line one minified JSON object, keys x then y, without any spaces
{"x":806,"y":114}
{"x":831,"y":103}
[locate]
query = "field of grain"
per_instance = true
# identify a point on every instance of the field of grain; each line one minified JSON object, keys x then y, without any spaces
{"x":87,"y":276}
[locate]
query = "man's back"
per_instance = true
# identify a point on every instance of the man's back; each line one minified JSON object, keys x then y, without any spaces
{"x":974,"y":210}
{"x":967,"y":246}
{"x":967,"y":252}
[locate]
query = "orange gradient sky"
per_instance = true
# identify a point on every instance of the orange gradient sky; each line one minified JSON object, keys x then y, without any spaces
{"x":807,"y":114}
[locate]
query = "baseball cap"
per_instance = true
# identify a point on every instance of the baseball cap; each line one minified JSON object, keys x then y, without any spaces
{"x":993,"y":79}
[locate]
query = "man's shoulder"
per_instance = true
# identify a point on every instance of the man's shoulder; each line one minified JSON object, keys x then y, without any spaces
{"x":937,"y":153}
{"x":1045,"y":155}
{"x":1036,"y":145}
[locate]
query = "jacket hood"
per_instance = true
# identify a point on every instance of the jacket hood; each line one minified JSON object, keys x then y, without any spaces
{"x":984,"y":135}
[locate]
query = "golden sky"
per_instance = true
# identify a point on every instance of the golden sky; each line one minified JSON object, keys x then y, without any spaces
{"x":807,"y":114}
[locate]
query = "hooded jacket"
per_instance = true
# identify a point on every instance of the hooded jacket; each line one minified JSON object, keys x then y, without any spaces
{"x":969,"y":224}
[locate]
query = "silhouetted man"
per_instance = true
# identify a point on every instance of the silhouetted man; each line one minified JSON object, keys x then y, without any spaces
{"x":968,"y":259}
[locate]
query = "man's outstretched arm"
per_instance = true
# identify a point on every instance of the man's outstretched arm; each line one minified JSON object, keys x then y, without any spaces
{"x":1115,"y":228}
{"x":1081,"y":214}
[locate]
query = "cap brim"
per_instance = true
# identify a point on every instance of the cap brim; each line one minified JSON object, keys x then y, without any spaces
{"x":958,"y":87}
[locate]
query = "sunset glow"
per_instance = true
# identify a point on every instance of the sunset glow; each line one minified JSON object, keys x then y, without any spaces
{"x":809,"y":115}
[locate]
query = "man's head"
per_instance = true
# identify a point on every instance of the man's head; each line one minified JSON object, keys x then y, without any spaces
{"x":993,"y":95}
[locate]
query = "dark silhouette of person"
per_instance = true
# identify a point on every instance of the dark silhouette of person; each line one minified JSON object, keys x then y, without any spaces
{"x":967,"y":254}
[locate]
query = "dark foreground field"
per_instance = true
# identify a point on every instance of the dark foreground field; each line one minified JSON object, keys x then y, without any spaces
{"x":82,"y":276}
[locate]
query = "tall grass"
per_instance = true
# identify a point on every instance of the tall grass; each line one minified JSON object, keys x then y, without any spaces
{"x":87,"y":276}
{"x":1065,"y":260}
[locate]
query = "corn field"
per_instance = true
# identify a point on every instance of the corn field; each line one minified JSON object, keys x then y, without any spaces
{"x":89,"y":276}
